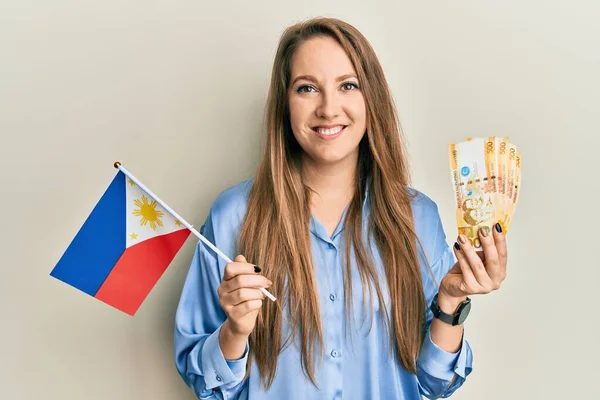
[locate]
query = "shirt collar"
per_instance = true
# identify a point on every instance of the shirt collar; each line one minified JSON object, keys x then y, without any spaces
{"x":317,"y":228}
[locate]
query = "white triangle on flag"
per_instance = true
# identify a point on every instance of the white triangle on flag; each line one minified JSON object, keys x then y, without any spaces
{"x":145,"y":217}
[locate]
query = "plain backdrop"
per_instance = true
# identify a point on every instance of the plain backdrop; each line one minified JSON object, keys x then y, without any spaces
{"x":175,"y":90}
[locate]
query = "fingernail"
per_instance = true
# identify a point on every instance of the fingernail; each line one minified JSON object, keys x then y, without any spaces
{"x":257,"y":269}
{"x":456,"y":246}
{"x":462,"y":238}
{"x":498,"y":227}
{"x":484,"y":231}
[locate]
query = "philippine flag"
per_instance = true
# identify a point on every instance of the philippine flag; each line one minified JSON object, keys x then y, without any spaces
{"x":123,"y":247}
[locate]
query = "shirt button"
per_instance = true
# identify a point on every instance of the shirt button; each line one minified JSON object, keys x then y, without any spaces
{"x":332,"y":297}
{"x":334,"y":354}
{"x":219,"y":378}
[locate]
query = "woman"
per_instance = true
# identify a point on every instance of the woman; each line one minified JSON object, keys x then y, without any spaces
{"x":355,"y":257}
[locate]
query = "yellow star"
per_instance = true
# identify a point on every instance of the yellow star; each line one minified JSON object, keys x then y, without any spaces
{"x":130,"y":181}
{"x":177,"y":223}
{"x":133,"y":236}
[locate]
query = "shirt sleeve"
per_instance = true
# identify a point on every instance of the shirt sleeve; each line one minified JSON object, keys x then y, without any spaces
{"x":441,"y":373}
{"x":198,"y":321}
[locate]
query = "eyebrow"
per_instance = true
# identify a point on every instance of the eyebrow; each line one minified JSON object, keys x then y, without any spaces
{"x":314,"y":80}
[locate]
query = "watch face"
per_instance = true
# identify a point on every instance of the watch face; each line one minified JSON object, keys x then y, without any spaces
{"x":464,"y":312}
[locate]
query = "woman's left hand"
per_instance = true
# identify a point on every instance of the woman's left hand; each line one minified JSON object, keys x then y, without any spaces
{"x":477,"y":272}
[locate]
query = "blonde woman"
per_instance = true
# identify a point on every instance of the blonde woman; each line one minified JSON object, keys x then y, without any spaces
{"x":370,"y":301}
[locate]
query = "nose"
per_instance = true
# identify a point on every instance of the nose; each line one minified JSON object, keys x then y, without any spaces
{"x":329,"y":107}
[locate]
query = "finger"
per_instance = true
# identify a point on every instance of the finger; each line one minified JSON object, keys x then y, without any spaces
{"x":241,"y":295}
{"x":243,"y":281}
{"x":244,"y":308}
{"x":475,"y":264}
{"x":246,"y":281}
{"x":456,"y":267}
{"x":239,"y":266}
{"x":472,"y":286}
{"x":500,"y":241}
{"x":490,"y":258}
{"x":226,"y":307}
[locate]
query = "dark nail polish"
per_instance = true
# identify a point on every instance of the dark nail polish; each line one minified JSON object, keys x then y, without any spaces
{"x":256,"y":269}
{"x":498,"y":227}
{"x":456,"y":246}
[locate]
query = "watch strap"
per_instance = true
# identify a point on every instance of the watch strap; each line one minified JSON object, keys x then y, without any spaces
{"x":451,"y":319}
{"x":439,"y":314}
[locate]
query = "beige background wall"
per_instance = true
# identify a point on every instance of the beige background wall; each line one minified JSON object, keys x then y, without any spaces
{"x":175,"y":90}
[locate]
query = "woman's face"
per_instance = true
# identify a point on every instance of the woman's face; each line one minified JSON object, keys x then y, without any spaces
{"x":327,"y":108}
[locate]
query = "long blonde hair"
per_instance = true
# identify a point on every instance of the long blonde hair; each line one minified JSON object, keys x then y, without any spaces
{"x":275,"y":233}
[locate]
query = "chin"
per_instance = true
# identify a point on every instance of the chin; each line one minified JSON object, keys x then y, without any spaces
{"x":331,"y":158}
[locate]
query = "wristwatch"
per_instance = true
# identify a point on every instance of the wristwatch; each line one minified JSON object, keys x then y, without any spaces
{"x":459,"y":316}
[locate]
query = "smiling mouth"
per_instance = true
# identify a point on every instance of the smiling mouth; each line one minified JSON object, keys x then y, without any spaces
{"x":329,"y":130}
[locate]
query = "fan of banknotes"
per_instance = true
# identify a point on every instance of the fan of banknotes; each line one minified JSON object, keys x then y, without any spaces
{"x":486,"y":173}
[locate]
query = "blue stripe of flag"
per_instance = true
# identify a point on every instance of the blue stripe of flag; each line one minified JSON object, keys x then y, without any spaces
{"x":99,"y":243}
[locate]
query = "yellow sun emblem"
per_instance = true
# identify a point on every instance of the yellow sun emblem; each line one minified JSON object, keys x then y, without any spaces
{"x":148,"y":212}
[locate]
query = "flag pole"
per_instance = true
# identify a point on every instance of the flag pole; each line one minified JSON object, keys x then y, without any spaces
{"x":118,"y":165}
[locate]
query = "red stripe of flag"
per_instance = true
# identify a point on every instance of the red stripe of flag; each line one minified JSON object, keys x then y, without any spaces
{"x":138,"y":270}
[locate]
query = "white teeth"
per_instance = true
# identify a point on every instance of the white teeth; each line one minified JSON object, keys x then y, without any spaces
{"x":328,"y":132}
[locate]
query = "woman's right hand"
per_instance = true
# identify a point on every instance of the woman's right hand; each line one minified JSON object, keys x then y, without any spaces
{"x":240,"y":297}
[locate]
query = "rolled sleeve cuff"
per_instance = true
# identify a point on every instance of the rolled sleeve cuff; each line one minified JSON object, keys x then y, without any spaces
{"x":218,"y":371}
{"x":443,"y":365}
{"x":238,"y":367}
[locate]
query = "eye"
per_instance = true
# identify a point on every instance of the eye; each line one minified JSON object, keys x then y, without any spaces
{"x":305,"y":89}
{"x":349,"y":86}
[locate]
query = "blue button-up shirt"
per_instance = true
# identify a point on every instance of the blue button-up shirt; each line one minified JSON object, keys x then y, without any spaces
{"x":358,"y":366}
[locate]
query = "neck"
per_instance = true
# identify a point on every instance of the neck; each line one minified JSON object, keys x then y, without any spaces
{"x":332,"y":182}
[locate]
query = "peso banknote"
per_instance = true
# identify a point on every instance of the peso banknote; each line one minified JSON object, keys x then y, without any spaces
{"x":475,"y":194}
{"x":486,"y":175}
{"x":516,"y":183}
{"x":503,"y":164}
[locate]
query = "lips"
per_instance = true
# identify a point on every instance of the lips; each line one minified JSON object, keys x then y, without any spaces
{"x":328,"y":130}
